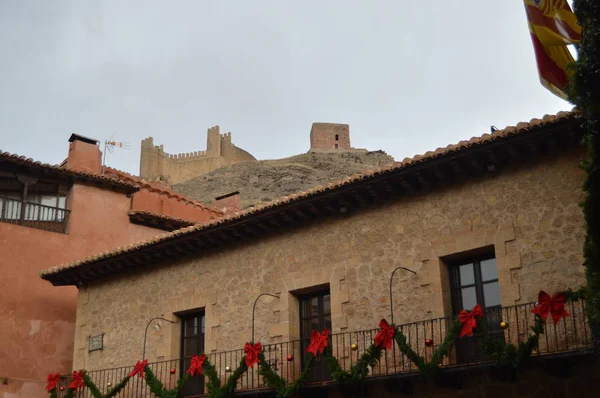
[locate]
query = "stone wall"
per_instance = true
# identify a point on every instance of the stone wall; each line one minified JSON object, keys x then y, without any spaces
{"x":327,"y":137}
{"x":529,"y":215}
{"x":174,"y":168}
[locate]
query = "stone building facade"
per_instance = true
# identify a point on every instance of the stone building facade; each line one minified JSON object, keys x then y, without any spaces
{"x":155,"y":163}
{"x":512,"y":197}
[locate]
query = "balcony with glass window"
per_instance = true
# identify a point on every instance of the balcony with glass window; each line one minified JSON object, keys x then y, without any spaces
{"x":34,"y":215}
{"x":34,"y":203}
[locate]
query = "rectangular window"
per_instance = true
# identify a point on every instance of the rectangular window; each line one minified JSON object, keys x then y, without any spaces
{"x":315,"y":314}
{"x":475,"y":281}
{"x":337,"y":146}
{"x":192,"y":343}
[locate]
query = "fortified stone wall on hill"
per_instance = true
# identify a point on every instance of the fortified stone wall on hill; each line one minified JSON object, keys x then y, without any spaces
{"x":155,"y":163}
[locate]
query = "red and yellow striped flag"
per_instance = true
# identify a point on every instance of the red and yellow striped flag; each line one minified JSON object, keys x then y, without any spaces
{"x":553,"y":26}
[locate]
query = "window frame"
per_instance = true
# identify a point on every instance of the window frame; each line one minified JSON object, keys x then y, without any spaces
{"x":200,"y":337}
{"x":456,"y":286}
{"x":320,"y":295}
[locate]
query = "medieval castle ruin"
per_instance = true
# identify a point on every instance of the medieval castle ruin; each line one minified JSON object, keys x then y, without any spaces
{"x":156,"y":164}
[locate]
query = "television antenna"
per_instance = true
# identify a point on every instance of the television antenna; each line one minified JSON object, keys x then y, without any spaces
{"x":110,"y":145}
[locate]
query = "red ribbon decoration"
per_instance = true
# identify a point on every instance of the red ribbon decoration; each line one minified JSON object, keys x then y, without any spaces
{"x":252,"y":352}
{"x":318,"y":342}
{"x":53,"y":379}
{"x":196,"y":365}
{"x":385,"y":336}
{"x":77,"y":381}
{"x":554,"y":305}
{"x":138,"y":369}
{"x":468,"y":320}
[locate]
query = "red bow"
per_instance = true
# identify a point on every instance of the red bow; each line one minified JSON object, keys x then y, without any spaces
{"x":468,"y":320}
{"x":53,"y":379}
{"x":77,"y":381}
{"x":196,"y":365}
{"x":318,"y":342}
{"x":138,"y":369}
{"x":252,"y":352}
{"x":385,"y":336}
{"x":554,"y":306}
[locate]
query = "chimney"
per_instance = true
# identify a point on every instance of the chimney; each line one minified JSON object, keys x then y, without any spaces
{"x":84,"y":154}
{"x":229,"y":203}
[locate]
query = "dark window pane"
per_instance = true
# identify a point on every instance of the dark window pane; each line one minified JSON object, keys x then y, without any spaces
{"x":189,"y":328}
{"x":489,"y":271}
{"x":327,"y":304}
{"x":306,"y":308}
{"x":190,"y":347}
{"x":469,"y":298}
{"x":307,"y":326}
{"x":315,"y":306}
{"x":203,"y":324}
{"x":491,"y":294}
{"x":467,"y":276}
{"x":315,"y":325}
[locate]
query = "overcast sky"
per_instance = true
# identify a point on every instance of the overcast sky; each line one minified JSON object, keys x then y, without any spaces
{"x":408,"y":76}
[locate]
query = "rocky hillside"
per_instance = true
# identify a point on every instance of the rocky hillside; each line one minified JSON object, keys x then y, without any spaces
{"x":265,"y":180}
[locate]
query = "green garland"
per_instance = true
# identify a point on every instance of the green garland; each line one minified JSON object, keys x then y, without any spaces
{"x":273,"y":380}
{"x":359,"y":370}
{"x":111,"y":393}
{"x":429,"y":369}
{"x":215,"y":390}
{"x":157,"y":388}
{"x":585,"y":93}
{"x":508,"y":355}
{"x":70,"y":393}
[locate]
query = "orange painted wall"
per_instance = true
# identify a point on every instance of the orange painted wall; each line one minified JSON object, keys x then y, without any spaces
{"x":37,"y":320}
{"x":161,"y":203}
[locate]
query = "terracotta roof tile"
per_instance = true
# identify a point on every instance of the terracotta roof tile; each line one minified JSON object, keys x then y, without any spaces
{"x":158,"y":187}
{"x":150,"y":214}
{"x":17,"y":159}
{"x":475,"y":141}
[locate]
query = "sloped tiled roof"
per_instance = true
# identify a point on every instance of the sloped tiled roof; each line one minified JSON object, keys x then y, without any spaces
{"x":486,"y":139}
{"x":81,"y":175}
{"x":158,"y":187}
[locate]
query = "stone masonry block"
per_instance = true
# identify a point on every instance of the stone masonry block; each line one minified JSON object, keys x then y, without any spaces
{"x":279,"y":330}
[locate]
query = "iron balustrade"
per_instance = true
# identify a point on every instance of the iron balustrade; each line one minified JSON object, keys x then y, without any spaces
{"x":34,"y":215}
{"x":569,"y":335}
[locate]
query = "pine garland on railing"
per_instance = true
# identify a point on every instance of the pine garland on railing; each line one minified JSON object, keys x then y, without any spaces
{"x":468,"y":322}
{"x":510,"y":355}
{"x":359,"y":370}
{"x":215,"y":390}
{"x":507,"y":354}
{"x":157,"y":388}
{"x":429,"y":369}
{"x":111,"y":393}
{"x":273,"y":380}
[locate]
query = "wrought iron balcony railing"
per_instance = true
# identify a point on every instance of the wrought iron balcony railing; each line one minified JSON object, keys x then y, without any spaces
{"x":34,"y":215}
{"x":570,"y":336}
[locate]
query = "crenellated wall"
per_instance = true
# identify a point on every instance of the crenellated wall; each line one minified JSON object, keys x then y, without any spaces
{"x":156,"y":163}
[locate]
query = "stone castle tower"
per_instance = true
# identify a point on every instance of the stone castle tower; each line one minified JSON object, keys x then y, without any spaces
{"x":155,"y":163}
{"x":331,"y":137}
